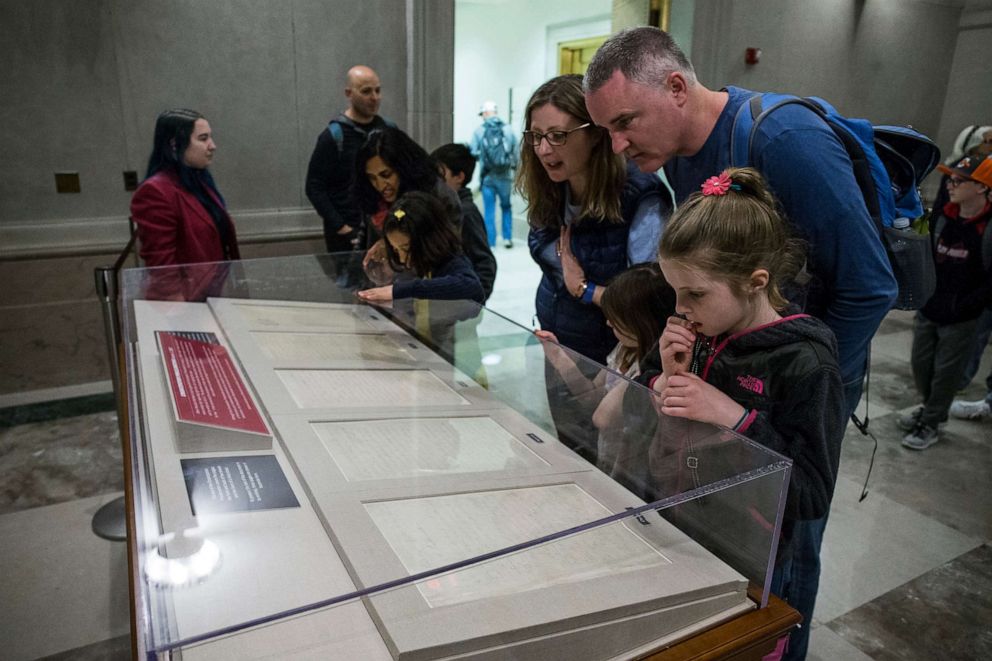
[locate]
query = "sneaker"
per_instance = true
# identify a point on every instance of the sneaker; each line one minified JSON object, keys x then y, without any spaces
{"x":971,"y":410}
{"x":508,"y":244}
{"x":922,"y":437}
{"x":908,"y":421}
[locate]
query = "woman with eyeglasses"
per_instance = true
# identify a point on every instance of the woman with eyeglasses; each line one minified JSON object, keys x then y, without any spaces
{"x":591,"y":216}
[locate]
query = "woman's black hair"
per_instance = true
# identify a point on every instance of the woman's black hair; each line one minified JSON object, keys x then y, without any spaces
{"x":173,"y":131}
{"x":433,"y":239}
{"x":416,"y":170}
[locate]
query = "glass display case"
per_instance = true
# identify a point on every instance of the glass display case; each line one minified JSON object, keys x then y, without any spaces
{"x":316,"y":477}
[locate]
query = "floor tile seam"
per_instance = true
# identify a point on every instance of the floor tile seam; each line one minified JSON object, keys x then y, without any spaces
{"x":23,"y":414}
{"x":92,"y":299}
{"x":880,"y":490}
{"x":974,"y":537}
{"x":32,"y":511}
{"x":822,"y":622}
{"x":37,"y":396}
{"x":859,"y":604}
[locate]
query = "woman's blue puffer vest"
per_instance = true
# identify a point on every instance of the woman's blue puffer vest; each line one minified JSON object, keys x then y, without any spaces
{"x":601,"y":248}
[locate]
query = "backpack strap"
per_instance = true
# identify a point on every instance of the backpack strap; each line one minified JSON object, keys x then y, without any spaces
{"x":749,"y":120}
{"x":741,"y":130}
{"x":337,"y":133}
{"x":334,"y":128}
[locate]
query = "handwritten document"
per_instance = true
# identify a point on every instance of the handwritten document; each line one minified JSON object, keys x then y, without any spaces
{"x":326,"y":347}
{"x":421,"y":447}
{"x":430,"y":532}
{"x":317,"y":389}
{"x":291,"y":316}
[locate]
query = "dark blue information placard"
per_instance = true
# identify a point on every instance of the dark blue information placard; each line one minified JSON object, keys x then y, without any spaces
{"x":236,"y":484}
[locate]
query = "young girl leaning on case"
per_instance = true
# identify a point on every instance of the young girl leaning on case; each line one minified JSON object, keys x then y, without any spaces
{"x":636,"y":305}
{"x":422,"y":242}
{"x":731,"y":357}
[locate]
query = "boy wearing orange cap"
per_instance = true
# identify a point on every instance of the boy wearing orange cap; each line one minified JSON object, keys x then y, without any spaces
{"x":944,"y":328}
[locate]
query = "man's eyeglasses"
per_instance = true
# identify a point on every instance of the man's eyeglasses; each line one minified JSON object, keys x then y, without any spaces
{"x":554,"y":138}
{"x":956,"y":181}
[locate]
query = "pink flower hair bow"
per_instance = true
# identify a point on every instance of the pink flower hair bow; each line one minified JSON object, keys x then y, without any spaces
{"x":718,"y":185}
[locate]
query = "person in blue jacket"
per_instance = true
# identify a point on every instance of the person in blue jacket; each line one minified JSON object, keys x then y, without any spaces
{"x":643,"y":89}
{"x":591,"y":216}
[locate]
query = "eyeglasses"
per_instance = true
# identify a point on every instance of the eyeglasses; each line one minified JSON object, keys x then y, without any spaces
{"x":956,"y":181}
{"x":554,"y":138}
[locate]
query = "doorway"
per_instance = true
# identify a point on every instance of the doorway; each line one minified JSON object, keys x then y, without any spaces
{"x":574,"y":56}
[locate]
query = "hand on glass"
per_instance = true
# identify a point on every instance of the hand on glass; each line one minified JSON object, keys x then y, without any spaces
{"x":377,"y":294}
{"x":552,"y":350}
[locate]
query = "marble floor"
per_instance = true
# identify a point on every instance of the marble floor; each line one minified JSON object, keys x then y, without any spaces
{"x":907,"y":571}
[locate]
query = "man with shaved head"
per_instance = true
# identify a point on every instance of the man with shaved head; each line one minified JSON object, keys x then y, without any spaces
{"x":333,"y":159}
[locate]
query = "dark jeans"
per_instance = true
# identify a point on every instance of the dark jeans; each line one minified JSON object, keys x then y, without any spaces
{"x":493,"y":187}
{"x":797,"y":581}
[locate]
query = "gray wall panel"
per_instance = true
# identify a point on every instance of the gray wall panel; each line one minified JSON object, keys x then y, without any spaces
{"x":60,"y":109}
{"x":83,"y":82}
{"x":233,"y":61}
{"x":374,"y":34}
{"x":969,"y":91}
{"x":888,"y":60}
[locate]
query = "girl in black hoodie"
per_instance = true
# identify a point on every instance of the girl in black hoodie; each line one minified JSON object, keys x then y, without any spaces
{"x":734,"y":357}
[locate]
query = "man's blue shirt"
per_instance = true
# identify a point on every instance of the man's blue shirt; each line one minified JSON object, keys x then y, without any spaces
{"x":810,"y":173}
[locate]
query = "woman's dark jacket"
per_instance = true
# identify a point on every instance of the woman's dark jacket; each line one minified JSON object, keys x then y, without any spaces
{"x":600,"y":247}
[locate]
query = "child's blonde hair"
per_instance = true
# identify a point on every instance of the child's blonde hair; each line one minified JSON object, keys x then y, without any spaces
{"x":733,"y":233}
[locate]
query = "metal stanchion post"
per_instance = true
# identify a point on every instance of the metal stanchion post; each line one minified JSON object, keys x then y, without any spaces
{"x":110,"y":521}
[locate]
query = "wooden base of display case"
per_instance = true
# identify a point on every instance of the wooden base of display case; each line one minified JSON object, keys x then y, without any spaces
{"x":748,"y":637}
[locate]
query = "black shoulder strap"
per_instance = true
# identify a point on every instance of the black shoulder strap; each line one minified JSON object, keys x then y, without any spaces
{"x":334,"y":127}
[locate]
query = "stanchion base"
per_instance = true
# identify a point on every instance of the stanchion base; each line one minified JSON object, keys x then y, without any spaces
{"x":110,"y":521}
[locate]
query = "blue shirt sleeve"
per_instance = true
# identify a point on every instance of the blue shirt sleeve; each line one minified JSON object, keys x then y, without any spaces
{"x":645,"y":230}
{"x":810,"y":173}
{"x":455,"y":280}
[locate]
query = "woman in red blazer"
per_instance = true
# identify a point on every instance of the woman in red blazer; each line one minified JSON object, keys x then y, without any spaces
{"x":180,"y":214}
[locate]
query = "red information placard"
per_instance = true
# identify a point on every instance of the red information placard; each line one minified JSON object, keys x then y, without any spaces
{"x":206,"y":386}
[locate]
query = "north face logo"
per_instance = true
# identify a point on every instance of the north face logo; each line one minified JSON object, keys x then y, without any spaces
{"x":752,"y":383}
